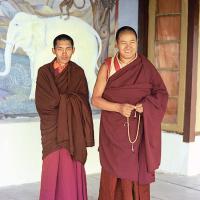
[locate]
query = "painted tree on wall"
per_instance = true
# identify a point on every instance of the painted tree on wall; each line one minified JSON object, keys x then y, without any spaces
{"x":101,"y":10}
{"x":101,"y":22}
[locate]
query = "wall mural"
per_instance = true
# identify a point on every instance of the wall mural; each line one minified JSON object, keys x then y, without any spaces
{"x":27,"y":30}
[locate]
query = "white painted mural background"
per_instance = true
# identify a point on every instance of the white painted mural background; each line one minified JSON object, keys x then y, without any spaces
{"x":27,"y":30}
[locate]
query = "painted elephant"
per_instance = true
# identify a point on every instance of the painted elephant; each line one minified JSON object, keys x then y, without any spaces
{"x":35,"y":36}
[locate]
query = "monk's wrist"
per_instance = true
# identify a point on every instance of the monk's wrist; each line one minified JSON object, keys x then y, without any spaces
{"x":118,"y":107}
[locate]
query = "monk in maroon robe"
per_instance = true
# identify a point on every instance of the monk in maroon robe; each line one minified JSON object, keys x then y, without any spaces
{"x":133,"y":99}
{"x":62,"y":101}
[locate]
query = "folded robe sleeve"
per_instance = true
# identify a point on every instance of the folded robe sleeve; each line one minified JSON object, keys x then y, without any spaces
{"x":154,"y":106}
{"x":83,"y":93}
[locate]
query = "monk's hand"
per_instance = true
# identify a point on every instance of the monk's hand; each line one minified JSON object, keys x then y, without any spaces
{"x":126,"y":109}
{"x":139,"y":108}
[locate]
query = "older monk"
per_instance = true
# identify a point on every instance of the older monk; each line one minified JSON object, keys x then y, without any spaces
{"x":133,"y":99}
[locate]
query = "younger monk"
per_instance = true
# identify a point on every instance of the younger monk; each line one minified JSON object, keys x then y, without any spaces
{"x":133,"y":99}
{"x":65,"y":122}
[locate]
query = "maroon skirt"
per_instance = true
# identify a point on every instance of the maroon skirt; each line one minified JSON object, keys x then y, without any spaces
{"x":113,"y":188}
{"x":63,"y":178}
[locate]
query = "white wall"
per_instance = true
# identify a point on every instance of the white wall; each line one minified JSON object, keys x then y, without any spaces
{"x":21,"y":152}
{"x":180,"y":157}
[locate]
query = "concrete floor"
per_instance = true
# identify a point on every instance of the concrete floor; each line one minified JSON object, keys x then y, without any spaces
{"x":166,"y":187}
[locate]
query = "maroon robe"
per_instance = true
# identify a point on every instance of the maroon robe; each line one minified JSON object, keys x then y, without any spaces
{"x":65,"y":114}
{"x":138,"y":82}
{"x":62,"y":176}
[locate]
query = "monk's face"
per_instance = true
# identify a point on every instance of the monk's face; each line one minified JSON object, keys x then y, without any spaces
{"x":63,"y":51}
{"x":127,"y":45}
